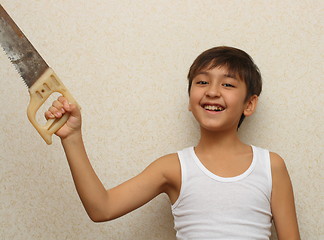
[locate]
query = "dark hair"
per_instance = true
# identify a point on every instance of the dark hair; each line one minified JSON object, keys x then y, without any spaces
{"x":238,"y":63}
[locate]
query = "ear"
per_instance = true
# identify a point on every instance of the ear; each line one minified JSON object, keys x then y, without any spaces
{"x":189,"y":105}
{"x":250,"y":105}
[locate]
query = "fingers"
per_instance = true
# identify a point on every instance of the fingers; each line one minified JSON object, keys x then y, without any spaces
{"x":64,"y":102}
{"x":58,"y":108}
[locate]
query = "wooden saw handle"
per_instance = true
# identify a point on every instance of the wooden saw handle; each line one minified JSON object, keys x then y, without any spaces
{"x":47,"y":84}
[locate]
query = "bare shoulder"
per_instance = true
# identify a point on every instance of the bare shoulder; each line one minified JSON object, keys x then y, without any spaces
{"x":168,"y":160}
{"x":278,"y":165}
{"x":276,"y":160}
{"x":169,"y":166}
{"x":279,"y":171}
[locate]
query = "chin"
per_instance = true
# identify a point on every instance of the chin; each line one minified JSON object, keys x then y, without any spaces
{"x":217,"y":128}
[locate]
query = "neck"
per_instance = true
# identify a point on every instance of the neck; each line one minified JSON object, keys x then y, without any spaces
{"x":219,"y":141}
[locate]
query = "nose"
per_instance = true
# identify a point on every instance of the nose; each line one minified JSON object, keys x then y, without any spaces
{"x":213,"y":91}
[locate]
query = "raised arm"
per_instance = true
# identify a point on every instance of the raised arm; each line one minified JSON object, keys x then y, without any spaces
{"x":282,"y":201}
{"x":102,"y":204}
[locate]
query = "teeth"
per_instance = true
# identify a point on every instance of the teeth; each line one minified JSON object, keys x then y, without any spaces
{"x":213,"y":108}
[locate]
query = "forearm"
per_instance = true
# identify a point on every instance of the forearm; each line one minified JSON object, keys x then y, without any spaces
{"x":90,"y":189}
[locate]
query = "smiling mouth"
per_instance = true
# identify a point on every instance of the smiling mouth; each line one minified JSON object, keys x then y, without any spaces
{"x":215,"y":108}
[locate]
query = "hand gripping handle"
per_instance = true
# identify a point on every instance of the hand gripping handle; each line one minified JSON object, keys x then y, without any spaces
{"x":47,"y":84}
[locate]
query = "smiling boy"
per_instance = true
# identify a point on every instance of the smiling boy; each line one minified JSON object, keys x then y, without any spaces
{"x":219,"y":189}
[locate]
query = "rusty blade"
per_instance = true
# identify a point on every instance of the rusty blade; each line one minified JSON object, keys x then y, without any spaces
{"x":19,"y":50}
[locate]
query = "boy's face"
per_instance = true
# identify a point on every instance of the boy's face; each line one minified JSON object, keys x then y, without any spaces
{"x":217,"y":99}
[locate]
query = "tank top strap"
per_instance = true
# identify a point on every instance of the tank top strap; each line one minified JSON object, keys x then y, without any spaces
{"x":263,"y":166}
{"x":188,"y":169}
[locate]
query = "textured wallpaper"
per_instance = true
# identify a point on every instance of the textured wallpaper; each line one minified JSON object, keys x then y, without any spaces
{"x":126,"y":64}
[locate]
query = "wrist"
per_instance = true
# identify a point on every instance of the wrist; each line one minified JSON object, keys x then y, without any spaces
{"x":73,"y":137}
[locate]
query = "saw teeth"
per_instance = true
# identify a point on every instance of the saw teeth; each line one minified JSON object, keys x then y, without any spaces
{"x":214,"y":108}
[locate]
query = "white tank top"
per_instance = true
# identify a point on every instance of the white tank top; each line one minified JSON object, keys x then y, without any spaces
{"x":213,"y":207}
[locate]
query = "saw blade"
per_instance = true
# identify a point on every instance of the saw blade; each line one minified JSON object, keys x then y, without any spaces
{"x":20,"y":51}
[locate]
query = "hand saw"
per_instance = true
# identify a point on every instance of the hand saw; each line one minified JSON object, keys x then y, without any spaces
{"x":38,"y":76}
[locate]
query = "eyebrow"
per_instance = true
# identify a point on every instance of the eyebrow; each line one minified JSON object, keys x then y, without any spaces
{"x":209,"y":75}
{"x":230,"y":75}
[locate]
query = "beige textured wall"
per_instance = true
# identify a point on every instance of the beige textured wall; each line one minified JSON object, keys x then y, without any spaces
{"x":126,"y":64}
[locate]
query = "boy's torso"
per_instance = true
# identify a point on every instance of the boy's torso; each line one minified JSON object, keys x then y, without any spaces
{"x":211,"y":205}
{"x":224,"y":165}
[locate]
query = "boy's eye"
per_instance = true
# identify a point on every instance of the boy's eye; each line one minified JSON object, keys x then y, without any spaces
{"x":228,"y":85}
{"x":202,"y":82}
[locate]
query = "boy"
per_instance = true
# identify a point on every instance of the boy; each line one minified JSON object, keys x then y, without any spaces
{"x":220,"y":189}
